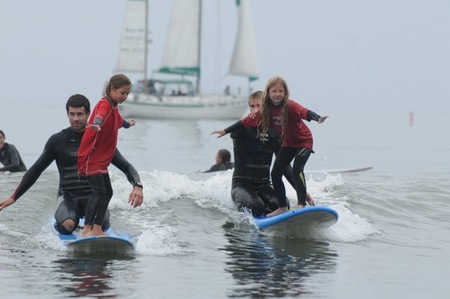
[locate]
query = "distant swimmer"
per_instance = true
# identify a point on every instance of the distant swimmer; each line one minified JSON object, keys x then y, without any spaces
{"x":10,"y":157}
{"x":223,"y":161}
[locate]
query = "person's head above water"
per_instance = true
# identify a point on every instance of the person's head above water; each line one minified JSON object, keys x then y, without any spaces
{"x":223,"y":156}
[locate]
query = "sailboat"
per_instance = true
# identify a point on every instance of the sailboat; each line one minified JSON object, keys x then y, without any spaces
{"x":178,"y":96}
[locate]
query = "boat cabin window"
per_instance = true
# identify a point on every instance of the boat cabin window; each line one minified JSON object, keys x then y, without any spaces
{"x":164,"y":88}
{"x":152,"y":87}
{"x":181,"y":88}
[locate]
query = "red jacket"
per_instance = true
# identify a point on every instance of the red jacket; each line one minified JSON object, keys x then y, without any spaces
{"x":97,"y":147}
{"x":297,"y":134}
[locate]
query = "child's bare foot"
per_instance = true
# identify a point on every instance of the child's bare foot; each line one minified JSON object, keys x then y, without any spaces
{"x":92,"y":230}
{"x":87,"y":231}
{"x":97,"y":231}
{"x":278,"y":211}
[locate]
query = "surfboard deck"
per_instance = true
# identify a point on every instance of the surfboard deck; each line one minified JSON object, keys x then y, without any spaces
{"x":112,"y":243}
{"x":316,"y":216}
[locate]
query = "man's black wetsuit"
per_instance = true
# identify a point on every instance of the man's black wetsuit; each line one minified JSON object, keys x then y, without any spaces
{"x":73,"y":191}
{"x":251,"y":186}
{"x":11,"y":159}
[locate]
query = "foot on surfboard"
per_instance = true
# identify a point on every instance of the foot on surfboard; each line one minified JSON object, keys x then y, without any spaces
{"x":297,"y":207}
{"x":278,"y":211}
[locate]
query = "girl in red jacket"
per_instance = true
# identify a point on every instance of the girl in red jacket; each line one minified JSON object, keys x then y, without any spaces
{"x":97,"y":150}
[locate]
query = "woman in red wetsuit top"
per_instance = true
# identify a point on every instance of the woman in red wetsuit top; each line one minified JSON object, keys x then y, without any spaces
{"x":97,"y":150}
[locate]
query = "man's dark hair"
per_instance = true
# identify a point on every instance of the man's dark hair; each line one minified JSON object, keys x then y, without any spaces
{"x":78,"y":100}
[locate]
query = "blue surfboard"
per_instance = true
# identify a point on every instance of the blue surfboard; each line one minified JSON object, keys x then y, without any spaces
{"x":316,"y":216}
{"x":112,"y":243}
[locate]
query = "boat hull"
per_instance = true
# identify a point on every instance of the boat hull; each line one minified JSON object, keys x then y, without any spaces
{"x":184,"y":107}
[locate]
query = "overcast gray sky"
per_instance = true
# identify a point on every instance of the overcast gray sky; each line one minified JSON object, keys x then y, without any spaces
{"x":349,"y":54}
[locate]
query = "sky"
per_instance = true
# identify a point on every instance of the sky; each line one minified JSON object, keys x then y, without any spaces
{"x":349,"y":55}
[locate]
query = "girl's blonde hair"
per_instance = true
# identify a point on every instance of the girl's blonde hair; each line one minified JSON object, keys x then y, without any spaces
{"x":266,"y":105}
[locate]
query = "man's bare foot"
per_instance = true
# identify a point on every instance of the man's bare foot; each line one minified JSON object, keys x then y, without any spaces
{"x":297,"y":207}
{"x":278,"y":211}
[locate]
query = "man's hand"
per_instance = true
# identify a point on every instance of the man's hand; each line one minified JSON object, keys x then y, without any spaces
{"x":6,"y":203}
{"x":136,"y":197}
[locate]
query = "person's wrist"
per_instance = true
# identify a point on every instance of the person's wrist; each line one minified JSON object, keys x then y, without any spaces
{"x":139,"y":185}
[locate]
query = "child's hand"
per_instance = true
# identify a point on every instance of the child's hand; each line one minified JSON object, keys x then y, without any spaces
{"x":132,"y":122}
{"x":253,"y":114}
{"x":219,"y":132}
{"x":95,"y":127}
{"x":322,"y":119}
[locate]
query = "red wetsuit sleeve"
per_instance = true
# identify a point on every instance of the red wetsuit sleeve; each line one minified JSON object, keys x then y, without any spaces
{"x":297,"y":133}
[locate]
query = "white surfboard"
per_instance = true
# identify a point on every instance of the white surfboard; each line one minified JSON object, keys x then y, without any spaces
{"x":342,"y":170}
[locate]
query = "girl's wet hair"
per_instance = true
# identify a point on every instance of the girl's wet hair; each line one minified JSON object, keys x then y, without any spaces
{"x":117,"y":81}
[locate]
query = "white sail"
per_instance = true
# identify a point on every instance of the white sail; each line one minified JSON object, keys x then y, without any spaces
{"x":168,"y":97}
{"x":132,"y":52}
{"x":244,"y":61}
{"x":181,"y":52}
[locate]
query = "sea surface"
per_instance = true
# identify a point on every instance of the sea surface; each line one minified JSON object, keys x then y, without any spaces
{"x":391,"y":239}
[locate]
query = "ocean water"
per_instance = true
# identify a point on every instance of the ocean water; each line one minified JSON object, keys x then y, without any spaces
{"x":391,"y":239}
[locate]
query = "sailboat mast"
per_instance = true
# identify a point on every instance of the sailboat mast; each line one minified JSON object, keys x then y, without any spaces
{"x":146,"y":42}
{"x":199,"y":45}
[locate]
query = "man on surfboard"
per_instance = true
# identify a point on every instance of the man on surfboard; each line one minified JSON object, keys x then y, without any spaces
{"x":74,"y":191}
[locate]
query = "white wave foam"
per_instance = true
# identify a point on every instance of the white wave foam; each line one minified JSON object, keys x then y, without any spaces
{"x":214,"y":193}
